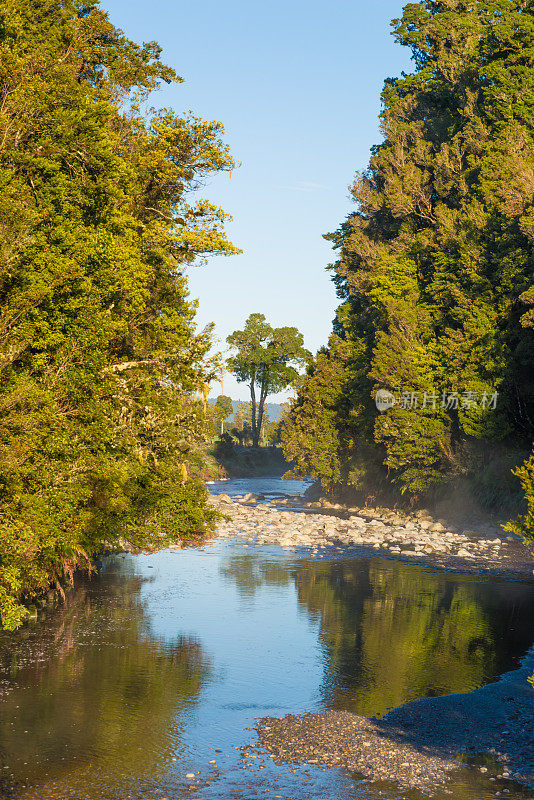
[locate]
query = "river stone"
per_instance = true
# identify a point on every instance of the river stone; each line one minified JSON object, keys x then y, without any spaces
{"x":463,"y":553}
{"x":224,"y":498}
{"x":425,"y":524}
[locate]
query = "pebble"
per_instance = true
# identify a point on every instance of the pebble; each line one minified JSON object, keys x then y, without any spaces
{"x":335,"y":738}
{"x":260,"y":522}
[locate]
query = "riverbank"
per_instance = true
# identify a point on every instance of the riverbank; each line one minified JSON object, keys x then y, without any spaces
{"x":227,"y":460}
{"x":417,"y":538}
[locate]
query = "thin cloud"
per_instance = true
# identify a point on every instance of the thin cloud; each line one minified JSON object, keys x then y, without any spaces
{"x":305,"y":186}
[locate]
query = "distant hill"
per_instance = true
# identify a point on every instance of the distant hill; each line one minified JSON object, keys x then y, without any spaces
{"x":273,"y":409}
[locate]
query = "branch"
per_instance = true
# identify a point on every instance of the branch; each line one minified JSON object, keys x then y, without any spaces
{"x":175,"y":220}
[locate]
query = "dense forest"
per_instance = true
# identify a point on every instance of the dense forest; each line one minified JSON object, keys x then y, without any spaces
{"x":434,"y":272}
{"x":101,"y":365}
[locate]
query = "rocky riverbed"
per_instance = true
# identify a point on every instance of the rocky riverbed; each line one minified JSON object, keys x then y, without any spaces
{"x":418,"y":745}
{"x":320,"y":527}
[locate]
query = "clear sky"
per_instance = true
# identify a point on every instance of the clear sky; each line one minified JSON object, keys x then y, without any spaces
{"x":297,"y":85}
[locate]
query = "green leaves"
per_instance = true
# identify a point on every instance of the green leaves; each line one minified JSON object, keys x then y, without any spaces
{"x":267,"y":358}
{"x":435,"y":266}
{"x":99,"y":357}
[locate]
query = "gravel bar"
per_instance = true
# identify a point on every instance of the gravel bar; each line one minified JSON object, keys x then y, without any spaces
{"x":418,"y":744}
{"x":414,"y":538}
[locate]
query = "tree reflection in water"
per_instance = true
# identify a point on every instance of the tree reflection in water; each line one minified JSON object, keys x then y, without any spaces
{"x":394,"y":632}
{"x":95,"y":688}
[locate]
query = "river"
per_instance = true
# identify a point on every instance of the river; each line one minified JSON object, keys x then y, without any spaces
{"x":161,"y":663}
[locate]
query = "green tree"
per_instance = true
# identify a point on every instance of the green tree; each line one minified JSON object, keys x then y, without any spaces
{"x":435,"y":266}
{"x":216,"y":414}
{"x":267,"y":358}
{"x":239,"y":421}
{"x":99,"y":356}
{"x":226,"y":408}
{"x":274,"y":427}
{"x":265,"y":422}
{"x":242,"y":429}
{"x":243,"y":413}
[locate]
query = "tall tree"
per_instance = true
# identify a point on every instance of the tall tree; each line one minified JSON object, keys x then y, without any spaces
{"x":244,"y":412}
{"x":242,"y":422}
{"x":99,"y":357}
{"x":267,"y":358}
{"x":435,"y":267}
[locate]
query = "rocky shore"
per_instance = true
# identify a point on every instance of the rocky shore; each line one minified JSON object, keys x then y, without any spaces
{"x":418,"y":745}
{"x":318,"y":527}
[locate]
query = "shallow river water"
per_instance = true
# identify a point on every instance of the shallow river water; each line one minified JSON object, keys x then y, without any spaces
{"x":162,"y":663}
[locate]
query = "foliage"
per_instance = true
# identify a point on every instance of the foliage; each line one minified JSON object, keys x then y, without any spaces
{"x":224,"y":403}
{"x":99,"y":357}
{"x":273,"y":430}
{"x":242,"y":428}
{"x":217,"y":413}
{"x":242,"y":461}
{"x":435,"y":266}
{"x":524,"y":523}
{"x":267,"y":358}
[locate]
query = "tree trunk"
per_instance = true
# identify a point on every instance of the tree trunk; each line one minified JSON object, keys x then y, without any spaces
{"x":263,"y":394}
{"x":255,"y":432}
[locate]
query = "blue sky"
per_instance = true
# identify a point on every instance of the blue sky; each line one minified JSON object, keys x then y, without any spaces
{"x":297,"y":85}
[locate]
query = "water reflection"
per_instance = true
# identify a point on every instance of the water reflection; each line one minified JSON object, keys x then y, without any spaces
{"x":161,"y":665}
{"x":392,"y":632}
{"x":249,"y":572}
{"x":93,"y":687}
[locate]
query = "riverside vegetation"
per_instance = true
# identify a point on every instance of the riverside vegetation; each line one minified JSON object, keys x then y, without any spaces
{"x":102,"y":423}
{"x":100,"y":361}
{"x":104,"y":431}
